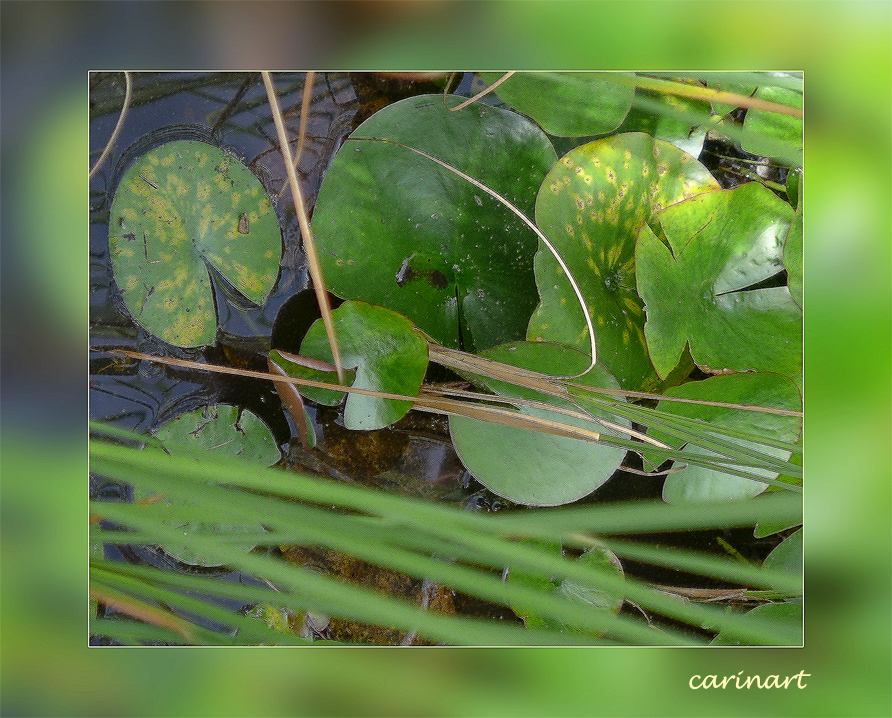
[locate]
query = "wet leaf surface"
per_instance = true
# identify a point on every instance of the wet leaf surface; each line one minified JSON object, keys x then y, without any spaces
{"x":395,"y":229}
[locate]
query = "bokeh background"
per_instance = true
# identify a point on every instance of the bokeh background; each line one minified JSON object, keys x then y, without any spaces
{"x":46,"y":50}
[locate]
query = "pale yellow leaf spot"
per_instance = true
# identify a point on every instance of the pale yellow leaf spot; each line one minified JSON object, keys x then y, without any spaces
{"x":131,"y":283}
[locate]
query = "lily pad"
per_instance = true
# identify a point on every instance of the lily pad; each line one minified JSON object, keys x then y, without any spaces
{"x":697,"y":484}
{"x":701,"y":289}
{"x":591,"y":207}
{"x":793,"y":249}
{"x":598,"y":558}
{"x":787,"y":555}
{"x":396,"y":229}
{"x":387,"y":352}
{"x":672,"y":124}
{"x":181,"y":210}
{"x":569,"y":104}
{"x":225,"y":430}
{"x":766,"y":131}
{"x":784,"y":620}
{"x":530,"y":467}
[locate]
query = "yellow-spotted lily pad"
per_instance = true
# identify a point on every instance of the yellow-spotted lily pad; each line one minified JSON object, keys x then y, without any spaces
{"x":181,"y":210}
{"x":591,"y":206}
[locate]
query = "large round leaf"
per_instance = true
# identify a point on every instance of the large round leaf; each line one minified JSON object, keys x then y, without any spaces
{"x":530,"y":467}
{"x":569,"y":104}
{"x":179,"y":210}
{"x":386,"y":350}
{"x":699,"y":289}
{"x":697,"y":484}
{"x":224,"y":430}
{"x":396,"y":229}
{"x":591,"y":206}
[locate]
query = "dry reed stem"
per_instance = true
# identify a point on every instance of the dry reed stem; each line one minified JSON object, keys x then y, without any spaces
{"x":480,"y":94}
{"x":306,"y":232}
{"x":128,"y":92}
{"x":526,"y":220}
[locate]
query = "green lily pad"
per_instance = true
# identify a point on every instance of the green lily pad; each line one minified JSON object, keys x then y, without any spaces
{"x":793,"y":248}
{"x":746,"y":88}
{"x":387,"y":352}
{"x":225,"y":430}
{"x":396,"y":229}
{"x":784,"y":620}
{"x":181,"y":209}
{"x":600,"y":559}
{"x":766,"y":131}
{"x":530,"y":467}
{"x":697,"y":484}
{"x":591,"y":207}
{"x":568,"y":104}
{"x":787,"y":555}
{"x":698,"y":290}
{"x":672,"y":124}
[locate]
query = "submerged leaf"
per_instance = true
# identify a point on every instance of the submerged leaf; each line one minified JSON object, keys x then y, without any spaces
{"x":181,"y":209}
{"x":222,"y":429}
{"x":396,"y":229}
{"x":591,"y":206}
{"x":598,"y":558}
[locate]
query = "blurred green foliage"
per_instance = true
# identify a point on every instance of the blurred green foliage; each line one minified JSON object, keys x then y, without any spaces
{"x":46,"y":666}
